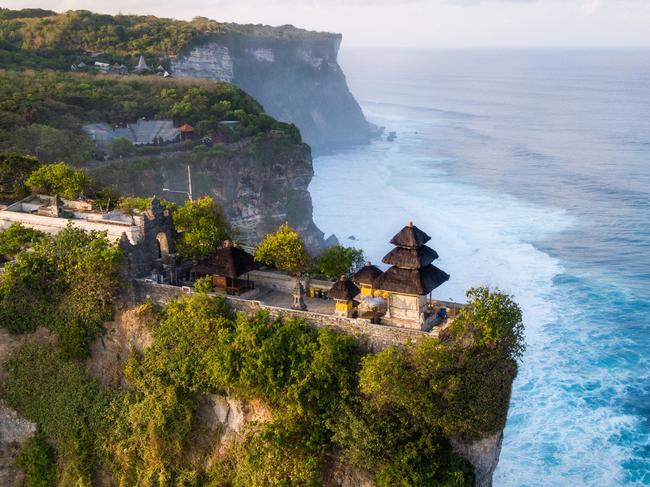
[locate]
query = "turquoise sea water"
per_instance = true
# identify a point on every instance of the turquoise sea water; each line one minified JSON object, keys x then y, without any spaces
{"x":531,"y":171}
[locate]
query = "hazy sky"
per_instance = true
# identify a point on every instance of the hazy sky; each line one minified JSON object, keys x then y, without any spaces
{"x":415,"y":23}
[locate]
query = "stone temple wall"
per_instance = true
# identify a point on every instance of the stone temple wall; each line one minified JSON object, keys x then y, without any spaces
{"x":375,"y":337}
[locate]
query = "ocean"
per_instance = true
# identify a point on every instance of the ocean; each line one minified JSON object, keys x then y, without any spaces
{"x":530,"y":169}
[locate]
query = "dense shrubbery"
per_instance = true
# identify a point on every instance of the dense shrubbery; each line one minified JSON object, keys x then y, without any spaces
{"x":135,"y":204}
{"x":17,"y":238}
{"x":36,"y":458}
{"x":62,"y":180}
{"x":391,"y":413}
{"x":81,"y":31}
{"x":65,"y":282}
{"x":200,"y":346}
{"x":68,"y":407}
{"x":42,"y":112}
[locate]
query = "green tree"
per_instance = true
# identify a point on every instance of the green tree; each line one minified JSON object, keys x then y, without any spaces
{"x":203,"y":227}
{"x":491,"y":319}
{"x":122,"y":147}
{"x":14,"y":171}
{"x":284,"y":250}
{"x":61,"y":179}
{"x":17,"y":238}
{"x":336,"y":261}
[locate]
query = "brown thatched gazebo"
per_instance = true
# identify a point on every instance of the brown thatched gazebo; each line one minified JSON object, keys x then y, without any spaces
{"x":344,"y":291}
{"x":365,"y":278}
{"x":411,"y":277}
{"x":225,"y":266}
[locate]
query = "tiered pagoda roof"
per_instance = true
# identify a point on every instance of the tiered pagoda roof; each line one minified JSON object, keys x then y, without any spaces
{"x":367,"y":274}
{"x":412,"y":271}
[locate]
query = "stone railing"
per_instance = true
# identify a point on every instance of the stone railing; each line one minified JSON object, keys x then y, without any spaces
{"x":376,"y":337}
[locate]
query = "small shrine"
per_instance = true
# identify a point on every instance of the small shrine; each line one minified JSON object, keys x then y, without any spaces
{"x":299,"y":297}
{"x":365,"y":278}
{"x":343,"y":292}
{"x":226,"y":265}
{"x":410,"y":279}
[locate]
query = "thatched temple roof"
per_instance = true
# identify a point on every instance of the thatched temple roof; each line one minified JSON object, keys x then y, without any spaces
{"x":343,"y":289}
{"x":411,"y":281}
{"x":228,"y":261}
{"x":410,"y":258}
{"x":411,"y":271}
{"x":410,"y":237}
{"x":367,"y":274}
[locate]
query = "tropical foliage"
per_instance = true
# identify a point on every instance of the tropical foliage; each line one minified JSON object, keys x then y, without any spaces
{"x":66,"y":282}
{"x":283,"y":250}
{"x":61,"y":179}
{"x":42,"y":112}
{"x":17,"y":238}
{"x":122,"y":147}
{"x":14,"y":171}
{"x":42,"y":31}
{"x":202,"y":227}
{"x":336,"y":261}
{"x":37,"y":460}
{"x":391,"y":413}
{"x":68,"y":407}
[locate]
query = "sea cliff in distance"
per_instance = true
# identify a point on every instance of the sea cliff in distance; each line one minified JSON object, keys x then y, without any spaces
{"x":292,"y":72}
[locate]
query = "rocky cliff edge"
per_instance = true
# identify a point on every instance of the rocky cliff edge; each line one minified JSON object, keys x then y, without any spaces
{"x":293,"y":73}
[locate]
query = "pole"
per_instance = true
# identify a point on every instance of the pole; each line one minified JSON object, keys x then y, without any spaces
{"x":189,"y":181}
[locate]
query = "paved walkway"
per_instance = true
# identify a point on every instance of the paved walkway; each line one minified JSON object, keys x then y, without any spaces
{"x":285,"y":300}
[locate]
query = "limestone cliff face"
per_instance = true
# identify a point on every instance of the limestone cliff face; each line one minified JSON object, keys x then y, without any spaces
{"x":293,"y":73}
{"x":260,"y":182}
{"x":483,"y":455}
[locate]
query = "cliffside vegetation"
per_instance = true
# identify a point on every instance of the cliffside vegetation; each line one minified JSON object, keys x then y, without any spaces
{"x":42,"y":38}
{"x":390,"y":413}
{"x":42,"y":112}
{"x":65,"y":282}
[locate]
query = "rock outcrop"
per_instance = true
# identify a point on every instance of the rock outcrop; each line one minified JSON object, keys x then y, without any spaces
{"x":293,"y":73}
{"x":14,"y":431}
{"x":483,"y":455}
{"x":260,"y":182}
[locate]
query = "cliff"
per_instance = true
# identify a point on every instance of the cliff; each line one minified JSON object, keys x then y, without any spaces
{"x":227,"y":419}
{"x":223,"y":423}
{"x":260,"y":182}
{"x":293,"y":73}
